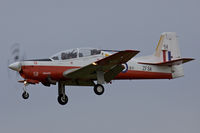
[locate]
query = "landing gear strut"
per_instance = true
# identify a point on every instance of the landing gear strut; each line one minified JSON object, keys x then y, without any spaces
{"x":62,"y":97}
{"x":98,"y":89}
{"x":25,"y":94}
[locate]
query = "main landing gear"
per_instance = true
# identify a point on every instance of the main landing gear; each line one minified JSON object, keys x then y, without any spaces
{"x":98,"y":88}
{"x":62,"y":97}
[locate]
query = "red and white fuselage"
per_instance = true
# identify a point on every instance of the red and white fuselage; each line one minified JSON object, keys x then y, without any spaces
{"x":40,"y":70}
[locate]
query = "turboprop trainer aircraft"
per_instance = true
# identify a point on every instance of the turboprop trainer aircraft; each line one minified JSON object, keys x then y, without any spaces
{"x":95,"y":67}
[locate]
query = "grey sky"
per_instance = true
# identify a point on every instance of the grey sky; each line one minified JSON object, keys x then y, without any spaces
{"x":44,"y":27}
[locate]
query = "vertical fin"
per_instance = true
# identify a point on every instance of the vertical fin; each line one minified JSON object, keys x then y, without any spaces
{"x":167,"y":50}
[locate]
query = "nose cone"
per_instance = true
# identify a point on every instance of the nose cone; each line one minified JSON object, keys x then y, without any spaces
{"x":15,"y":66}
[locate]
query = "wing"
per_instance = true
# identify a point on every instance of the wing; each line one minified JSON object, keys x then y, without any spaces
{"x":110,"y":65}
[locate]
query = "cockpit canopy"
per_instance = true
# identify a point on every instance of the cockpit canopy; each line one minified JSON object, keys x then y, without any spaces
{"x":75,"y":53}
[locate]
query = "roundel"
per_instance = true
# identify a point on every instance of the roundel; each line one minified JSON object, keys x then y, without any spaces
{"x":125,"y":68}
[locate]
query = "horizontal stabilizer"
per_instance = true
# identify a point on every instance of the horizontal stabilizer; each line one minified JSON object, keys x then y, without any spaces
{"x":170,"y":63}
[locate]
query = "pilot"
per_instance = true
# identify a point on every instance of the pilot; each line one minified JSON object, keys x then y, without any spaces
{"x":95,"y":52}
{"x":80,"y":54}
{"x":63,"y":56}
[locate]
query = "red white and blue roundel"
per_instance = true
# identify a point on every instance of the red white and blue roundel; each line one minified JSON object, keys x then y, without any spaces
{"x":125,"y":68}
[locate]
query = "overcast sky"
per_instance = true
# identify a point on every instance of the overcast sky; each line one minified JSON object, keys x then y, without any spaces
{"x":44,"y":27}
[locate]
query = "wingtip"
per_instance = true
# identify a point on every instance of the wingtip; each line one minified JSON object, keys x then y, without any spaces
{"x":134,"y":51}
{"x":190,"y":59}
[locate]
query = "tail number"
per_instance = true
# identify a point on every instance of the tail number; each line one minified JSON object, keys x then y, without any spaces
{"x":146,"y":68}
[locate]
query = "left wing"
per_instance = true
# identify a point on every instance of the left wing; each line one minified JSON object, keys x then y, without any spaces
{"x":110,"y":63}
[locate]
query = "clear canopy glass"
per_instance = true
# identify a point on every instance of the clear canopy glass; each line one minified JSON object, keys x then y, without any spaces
{"x":75,"y":53}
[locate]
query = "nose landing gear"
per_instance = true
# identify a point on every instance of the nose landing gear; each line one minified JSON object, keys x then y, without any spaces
{"x":25,"y":94}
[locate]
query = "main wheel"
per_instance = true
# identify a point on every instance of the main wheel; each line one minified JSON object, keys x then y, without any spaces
{"x":99,"y":89}
{"x":62,"y":99}
{"x":25,"y":95}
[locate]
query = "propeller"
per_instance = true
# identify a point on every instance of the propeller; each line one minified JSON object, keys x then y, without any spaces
{"x":16,"y":55}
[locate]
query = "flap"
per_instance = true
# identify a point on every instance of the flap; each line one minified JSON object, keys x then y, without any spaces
{"x":113,"y":73}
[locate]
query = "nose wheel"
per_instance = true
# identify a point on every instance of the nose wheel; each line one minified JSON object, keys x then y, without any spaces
{"x":25,"y":95}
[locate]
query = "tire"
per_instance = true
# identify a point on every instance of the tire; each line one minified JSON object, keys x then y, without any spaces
{"x":98,"y":89}
{"x":25,"y":95}
{"x":62,"y":100}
